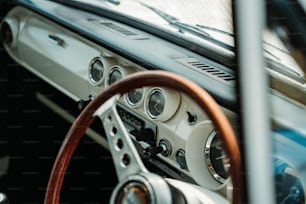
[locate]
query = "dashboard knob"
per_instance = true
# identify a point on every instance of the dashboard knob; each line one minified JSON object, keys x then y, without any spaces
{"x":152,"y":151}
{"x":164,"y":148}
{"x":192,"y":118}
{"x":181,"y":158}
{"x":83,"y":103}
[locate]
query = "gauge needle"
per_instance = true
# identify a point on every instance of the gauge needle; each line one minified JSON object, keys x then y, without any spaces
{"x":221,"y":157}
{"x":156,"y":105}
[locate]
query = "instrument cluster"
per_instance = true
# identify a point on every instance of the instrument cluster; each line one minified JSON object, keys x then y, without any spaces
{"x":166,"y":122}
{"x":158,"y":103}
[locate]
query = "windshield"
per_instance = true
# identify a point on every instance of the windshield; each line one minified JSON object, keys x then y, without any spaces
{"x":199,"y":20}
{"x":215,"y":14}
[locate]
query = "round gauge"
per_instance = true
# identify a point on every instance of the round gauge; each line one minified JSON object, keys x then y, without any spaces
{"x":114,"y":75}
{"x":96,"y":71}
{"x":201,"y":158}
{"x":156,"y":103}
{"x":134,"y":97}
{"x":216,"y":160}
{"x":162,"y":103}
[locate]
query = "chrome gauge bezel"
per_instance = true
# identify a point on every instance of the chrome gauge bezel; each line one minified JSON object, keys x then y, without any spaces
{"x":172,"y":101}
{"x":139,"y":101}
{"x":113,"y":69}
{"x":151,"y":93}
{"x":207,"y":154}
{"x":91,"y":68}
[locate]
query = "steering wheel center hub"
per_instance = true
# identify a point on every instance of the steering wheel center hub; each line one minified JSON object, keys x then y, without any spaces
{"x":133,"y":192}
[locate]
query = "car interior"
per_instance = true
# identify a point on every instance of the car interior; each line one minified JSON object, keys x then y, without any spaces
{"x":136,"y":101}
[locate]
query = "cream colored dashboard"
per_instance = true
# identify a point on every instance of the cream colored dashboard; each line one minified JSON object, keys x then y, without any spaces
{"x":82,"y":69}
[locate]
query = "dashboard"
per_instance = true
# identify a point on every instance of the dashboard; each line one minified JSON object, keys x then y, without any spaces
{"x":154,"y":116}
{"x":82,"y":54}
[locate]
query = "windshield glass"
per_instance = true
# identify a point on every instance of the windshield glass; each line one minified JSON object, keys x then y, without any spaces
{"x":199,"y":20}
{"x":215,"y":14}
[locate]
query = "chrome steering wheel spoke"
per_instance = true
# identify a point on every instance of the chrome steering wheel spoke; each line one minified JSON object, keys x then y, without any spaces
{"x":125,"y":156}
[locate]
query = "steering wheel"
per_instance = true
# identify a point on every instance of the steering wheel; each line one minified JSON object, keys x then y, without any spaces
{"x":133,"y":177}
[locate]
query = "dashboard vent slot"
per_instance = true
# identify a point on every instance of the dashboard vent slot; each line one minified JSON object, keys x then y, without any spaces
{"x":207,"y":69}
{"x":118,"y":29}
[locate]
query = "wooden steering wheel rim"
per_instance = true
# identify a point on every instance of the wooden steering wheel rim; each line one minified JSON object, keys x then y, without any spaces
{"x":138,"y":80}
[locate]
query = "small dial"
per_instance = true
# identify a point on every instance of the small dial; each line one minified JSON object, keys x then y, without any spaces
{"x":134,"y":97}
{"x":114,"y":75}
{"x":156,"y":103}
{"x":216,"y":160}
{"x":96,"y":71}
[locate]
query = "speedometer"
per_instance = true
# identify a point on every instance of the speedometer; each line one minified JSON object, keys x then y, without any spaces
{"x":216,"y":160}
